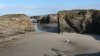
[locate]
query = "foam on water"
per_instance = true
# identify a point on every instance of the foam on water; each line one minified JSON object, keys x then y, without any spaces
{"x":37,"y":29}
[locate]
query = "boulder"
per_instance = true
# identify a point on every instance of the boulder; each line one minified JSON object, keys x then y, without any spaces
{"x":12,"y":24}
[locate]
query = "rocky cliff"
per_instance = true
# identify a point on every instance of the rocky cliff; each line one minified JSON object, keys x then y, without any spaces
{"x":48,"y":19}
{"x":80,"y":21}
{"x":14,"y":24}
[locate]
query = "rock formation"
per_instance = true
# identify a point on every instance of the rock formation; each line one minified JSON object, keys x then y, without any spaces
{"x":14,"y":24}
{"x":48,"y":19}
{"x":80,"y":21}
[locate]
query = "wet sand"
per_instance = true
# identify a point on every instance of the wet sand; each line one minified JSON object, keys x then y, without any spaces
{"x":38,"y":44}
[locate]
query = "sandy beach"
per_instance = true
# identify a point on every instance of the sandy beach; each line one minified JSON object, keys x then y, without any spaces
{"x":38,"y":44}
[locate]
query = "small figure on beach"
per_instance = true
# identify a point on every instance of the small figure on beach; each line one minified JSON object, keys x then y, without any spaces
{"x":68,"y":41}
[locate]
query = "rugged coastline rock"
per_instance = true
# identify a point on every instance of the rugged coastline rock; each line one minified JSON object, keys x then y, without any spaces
{"x":12,"y":24}
{"x":80,"y":21}
{"x":47,"y":19}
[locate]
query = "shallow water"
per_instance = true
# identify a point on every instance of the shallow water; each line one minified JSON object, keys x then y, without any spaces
{"x":37,"y":28}
{"x":46,"y":27}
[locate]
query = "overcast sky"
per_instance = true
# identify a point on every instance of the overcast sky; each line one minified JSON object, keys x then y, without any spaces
{"x":42,"y":7}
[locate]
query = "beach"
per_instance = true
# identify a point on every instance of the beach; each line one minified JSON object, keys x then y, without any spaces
{"x":49,"y":28}
{"x":40,"y":43}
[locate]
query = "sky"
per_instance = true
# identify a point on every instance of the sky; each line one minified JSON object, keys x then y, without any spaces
{"x":43,"y":7}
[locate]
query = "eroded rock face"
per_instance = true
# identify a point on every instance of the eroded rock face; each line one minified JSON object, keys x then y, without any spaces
{"x":80,"y":21}
{"x":48,"y":19}
{"x":14,"y":24}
